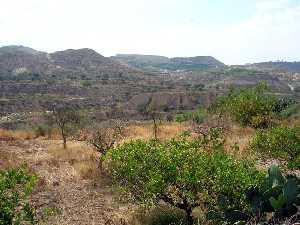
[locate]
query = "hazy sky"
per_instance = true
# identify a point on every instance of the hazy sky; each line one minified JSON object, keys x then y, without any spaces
{"x":233,"y":31}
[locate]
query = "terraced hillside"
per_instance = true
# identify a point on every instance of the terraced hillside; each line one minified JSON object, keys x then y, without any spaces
{"x":31,"y":81}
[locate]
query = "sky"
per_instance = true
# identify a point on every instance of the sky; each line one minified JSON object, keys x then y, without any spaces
{"x":233,"y":31}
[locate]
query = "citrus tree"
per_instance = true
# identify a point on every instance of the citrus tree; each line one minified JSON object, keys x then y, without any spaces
{"x":250,"y":106}
{"x":183,"y":173}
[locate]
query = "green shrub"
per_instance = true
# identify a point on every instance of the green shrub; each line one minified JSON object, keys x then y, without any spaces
{"x":15,"y":187}
{"x":283,"y":103}
{"x":161,"y":215}
{"x":183,"y":173}
{"x":250,"y":106}
{"x":41,"y":130}
{"x":180,"y":118}
{"x":278,"y":142}
{"x":290,"y":111}
{"x":197,"y":116}
{"x":86,"y":83}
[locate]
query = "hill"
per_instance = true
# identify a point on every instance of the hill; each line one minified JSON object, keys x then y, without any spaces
{"x":19,"y":63}
{"x":113,"y":87}
{"x":280,"y":66}
{"x":159,"y":63}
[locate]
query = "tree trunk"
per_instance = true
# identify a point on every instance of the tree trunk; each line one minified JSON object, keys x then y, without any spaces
{"x":154,"y":127}
{"x":101,"y":164}
{"x":64,"y":138}
{"x":65,"y":142}
{"x":190,"y":220}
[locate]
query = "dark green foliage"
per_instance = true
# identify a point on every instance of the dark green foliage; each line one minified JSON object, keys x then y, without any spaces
{"x":183,"y":173}
{"x":290,"y":112}
{"x":196,"y":116}
{"x":277,"y":194}
{"x":162,"y":215}
{"x":183,"y":66}
{"x":142,"y":108}
{"x":250,"y":106}
{"x":279,"y":142}
{"x":282,"y":104}
{"x":41,"y":130}
{"x":198,"y":87}
{"x":26,"y":76}
{"x":86,"y":83}
{"x":15,"y":187}
{"x":241,"y":72}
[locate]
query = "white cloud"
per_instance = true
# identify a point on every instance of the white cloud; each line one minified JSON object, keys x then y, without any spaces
{"x":118,"y":26}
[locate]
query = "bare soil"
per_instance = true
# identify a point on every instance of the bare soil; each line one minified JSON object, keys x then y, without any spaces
{"x":70,"y":190}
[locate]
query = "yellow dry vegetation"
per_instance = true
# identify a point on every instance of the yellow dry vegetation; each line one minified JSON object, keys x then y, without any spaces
{"x":241,"y":137}
{"x":166,"y":130}
{"x":82,"y":157}
{"x":16,"y":134}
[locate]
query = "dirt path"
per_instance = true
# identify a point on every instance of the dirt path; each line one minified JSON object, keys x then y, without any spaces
{"x":70,"y":190}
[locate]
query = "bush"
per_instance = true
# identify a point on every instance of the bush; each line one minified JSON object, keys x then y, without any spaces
{"x":161,"y":215}
{"x":291,"y":111}
{"x":86,"y":83}
{"x":41,"y":130}
{"x":15,"y":187}
{"x":283,"y":103}
{"x":183,"y":173}
{"x":196,"y":116}
{"x":250,"y":106}
{"x":281,"y":142}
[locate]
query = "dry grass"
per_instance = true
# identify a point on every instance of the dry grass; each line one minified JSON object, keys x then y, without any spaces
{"x":85,"y":160}
{"x":145,"y":131}
{"x":241,"y":137}
{"x":9,"y":160}
{"x":79,"y":155}
{"x":54,"y":134}
{"x":17,"y":134}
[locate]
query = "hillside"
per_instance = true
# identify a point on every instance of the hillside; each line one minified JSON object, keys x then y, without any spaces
{"x":281,"y":66}
{"x":158,"y":63}
{"x":19,"y":63}
{"x":110,"y":87}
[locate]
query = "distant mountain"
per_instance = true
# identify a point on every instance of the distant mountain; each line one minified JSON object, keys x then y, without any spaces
{"x":18,"y":49}
{"x":20,"y":60}
{"x":279,"y":66}
{"x":158,"y":63}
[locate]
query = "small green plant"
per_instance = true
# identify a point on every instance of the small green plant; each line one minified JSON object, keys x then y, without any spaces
{"x":41,"y":130}
{"x":290,"y":112}
{"x":15,"y":188}
{"x":280,"y":142}
{"x":161,"y":215}
{"x":49,"y":212}
{"x":197,"y":116}
{"x":86,"y":83}
{"x":183,"y":173}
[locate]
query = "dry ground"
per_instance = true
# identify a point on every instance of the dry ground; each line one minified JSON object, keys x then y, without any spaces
{"x":71,"y":190}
